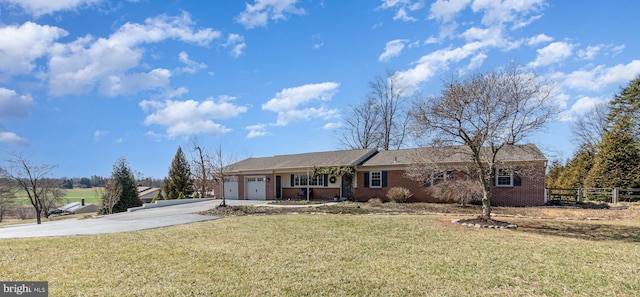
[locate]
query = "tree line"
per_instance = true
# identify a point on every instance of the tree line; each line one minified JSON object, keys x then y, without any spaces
{"x":609,"y":146}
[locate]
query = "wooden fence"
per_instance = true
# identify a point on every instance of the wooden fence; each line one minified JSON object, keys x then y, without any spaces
{"x":609,"y":195}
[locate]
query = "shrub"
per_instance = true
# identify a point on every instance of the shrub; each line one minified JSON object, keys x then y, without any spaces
{"x":399,"y":194}
{"x":463,"y":191}
{"x":181,"y":196}
{"x":375,"y":202}
{"x":196,"y":195}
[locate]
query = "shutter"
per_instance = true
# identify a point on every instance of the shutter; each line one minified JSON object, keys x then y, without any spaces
{"x":384,"y":179}
{"x":326,"y":180}
{"x":366,"y":179}
{"x":292,"y":177}
{"x":517,"y":180}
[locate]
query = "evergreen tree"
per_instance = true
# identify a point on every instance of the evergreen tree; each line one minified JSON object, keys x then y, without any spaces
{"x":617,"y":162}
{"x":179,"y":180}
{"x":129,"y":196}
{"x":573,"y":174}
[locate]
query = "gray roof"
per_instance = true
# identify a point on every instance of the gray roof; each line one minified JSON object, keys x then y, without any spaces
{"x":304,"y":161}
{"x":452,"y":154}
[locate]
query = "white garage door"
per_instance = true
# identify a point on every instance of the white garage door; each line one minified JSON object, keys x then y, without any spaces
{"x":231,"y":188}
{"x":256,"y":188}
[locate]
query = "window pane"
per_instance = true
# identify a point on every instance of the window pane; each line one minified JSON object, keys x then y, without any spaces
{"x":376,"y":179}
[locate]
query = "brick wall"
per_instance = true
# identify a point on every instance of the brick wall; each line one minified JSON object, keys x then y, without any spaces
{"x":530,"y":193}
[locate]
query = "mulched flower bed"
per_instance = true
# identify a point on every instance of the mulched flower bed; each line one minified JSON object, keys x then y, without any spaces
{"x":485,"y":223}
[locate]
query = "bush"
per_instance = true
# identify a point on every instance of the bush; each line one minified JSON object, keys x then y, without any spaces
{"x":375,"y":202}
{"x":399,"y":194}
{"x":181,"y":196}
{"x":196,"y":195}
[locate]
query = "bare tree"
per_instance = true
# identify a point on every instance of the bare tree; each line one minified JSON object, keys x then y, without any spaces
{"x":32,"y":179}
{"x":202,"y":165}
{"x":52,"y":196}
{"x":110,"y":195}
{"x":7,"y":196}
{"x":589,"y":128}
{"x":484,"y":113}
{"x":360,"y":126}
{"x":380,"y":121}
{"x":222,"y":165}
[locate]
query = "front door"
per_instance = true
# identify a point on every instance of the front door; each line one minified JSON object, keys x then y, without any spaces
{"x":278,"y":187}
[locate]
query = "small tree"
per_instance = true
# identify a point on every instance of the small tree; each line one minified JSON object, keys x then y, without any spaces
{"x":484,"y":113}
{"x":7,"y":196}
{"x":111,"y":195}
{"x":202,"y":165}
{"x":222,"y":164}
{"x":179,"y":179}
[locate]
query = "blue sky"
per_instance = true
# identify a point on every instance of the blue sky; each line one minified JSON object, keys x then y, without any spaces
{"x":84,"y":82}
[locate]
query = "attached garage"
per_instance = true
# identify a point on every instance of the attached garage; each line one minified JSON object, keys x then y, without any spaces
{"x":231,"y":188}
{"x":255,"y":188}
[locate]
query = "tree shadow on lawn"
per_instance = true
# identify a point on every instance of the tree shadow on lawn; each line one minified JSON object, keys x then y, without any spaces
{"x":581,"y":230}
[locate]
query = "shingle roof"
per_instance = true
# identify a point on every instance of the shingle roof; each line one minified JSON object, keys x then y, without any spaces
{"x":303,"y":161}
{"x":452,"y":154}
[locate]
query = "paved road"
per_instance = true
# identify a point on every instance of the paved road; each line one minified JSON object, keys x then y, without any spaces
{"x":120,"y":222}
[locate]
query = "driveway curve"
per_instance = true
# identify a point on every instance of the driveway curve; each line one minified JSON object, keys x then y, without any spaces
{"x":121,"y":222}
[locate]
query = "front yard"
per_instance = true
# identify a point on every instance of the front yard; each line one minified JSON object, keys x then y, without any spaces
{"x":554,"y":252}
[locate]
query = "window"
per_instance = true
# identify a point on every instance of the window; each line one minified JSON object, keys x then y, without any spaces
{"x":375,"y":179}
{"x":437,"y":177}
{"x":300,"y":180}
{"x":504,"y":178}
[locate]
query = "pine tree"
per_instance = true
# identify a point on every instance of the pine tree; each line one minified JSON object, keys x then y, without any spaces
{"x":179,"y":180}
{"x":617,"y":162}
{"x":129,"y":195}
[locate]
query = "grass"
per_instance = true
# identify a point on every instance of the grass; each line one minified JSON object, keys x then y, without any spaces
{"x":71,"y":195}
{"x":332,"y":255}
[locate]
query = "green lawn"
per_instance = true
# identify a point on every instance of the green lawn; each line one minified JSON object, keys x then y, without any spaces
{"x":337,"y":255}
{"x":71,"y":195}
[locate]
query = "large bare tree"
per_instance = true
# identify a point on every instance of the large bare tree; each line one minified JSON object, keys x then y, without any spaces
{"x":110,"y":195}
{"x":589,"y":128}
{"x":201,"y":168}
{"x":380,"y":121}
{"x":33,"y":180}
{"x":483,"y":113}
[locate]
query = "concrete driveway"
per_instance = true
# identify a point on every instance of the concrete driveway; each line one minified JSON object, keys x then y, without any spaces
{"x":121,"y":222}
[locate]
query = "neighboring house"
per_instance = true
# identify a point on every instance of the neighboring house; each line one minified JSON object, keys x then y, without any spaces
{"x":519,"y":182}
{"x":147,"y":194}
{"x":76,"y":208}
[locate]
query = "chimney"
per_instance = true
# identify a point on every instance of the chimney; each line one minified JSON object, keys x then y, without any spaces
{"x":82,"y":201}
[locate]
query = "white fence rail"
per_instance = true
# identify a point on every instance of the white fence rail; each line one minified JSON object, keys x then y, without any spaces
{"x":609,"y":195}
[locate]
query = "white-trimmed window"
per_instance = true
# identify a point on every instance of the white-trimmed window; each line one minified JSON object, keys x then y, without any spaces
{"x":504,"y":177}
{"x":300,"y":180}
{"x":375,"y":179}
{"x":437,"y":177}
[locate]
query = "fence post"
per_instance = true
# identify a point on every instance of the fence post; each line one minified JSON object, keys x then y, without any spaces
{"x":579,"y":194}
{"x":616,"y":192}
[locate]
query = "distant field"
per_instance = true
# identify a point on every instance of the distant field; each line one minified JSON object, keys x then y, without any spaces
{"x":71,"y":195}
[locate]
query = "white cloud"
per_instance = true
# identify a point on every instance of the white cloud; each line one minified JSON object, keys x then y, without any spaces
{"x":98,"y":134}
{"x":21,"y":45}
{"x":258,"y":14}
{"x":590,"y":52}
{"x":552,"y":53}
{"x":14,"y":105}
{"x":237,"y":45}
{"x":257,"y":130}
{"x":598,"y":77}
{"x":13,"y":138}
{"x":289,"y":103}
{"x":446,"y":10}
{"x":392,"y":49}
{"x":428,"y":65}
{"x":402,"y":6}
{"x":540,"y":38}
{"x":41,"y":7}
{"x":500,"y":12}
{"x":332,"y":125}
{"x":78,"y":67}
{"x":582,"y":106}
{"x":190,"y":116}
{"x":190,"y":67}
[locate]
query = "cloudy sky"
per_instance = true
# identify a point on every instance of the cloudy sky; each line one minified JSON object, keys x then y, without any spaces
{"x":84,"y":82}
